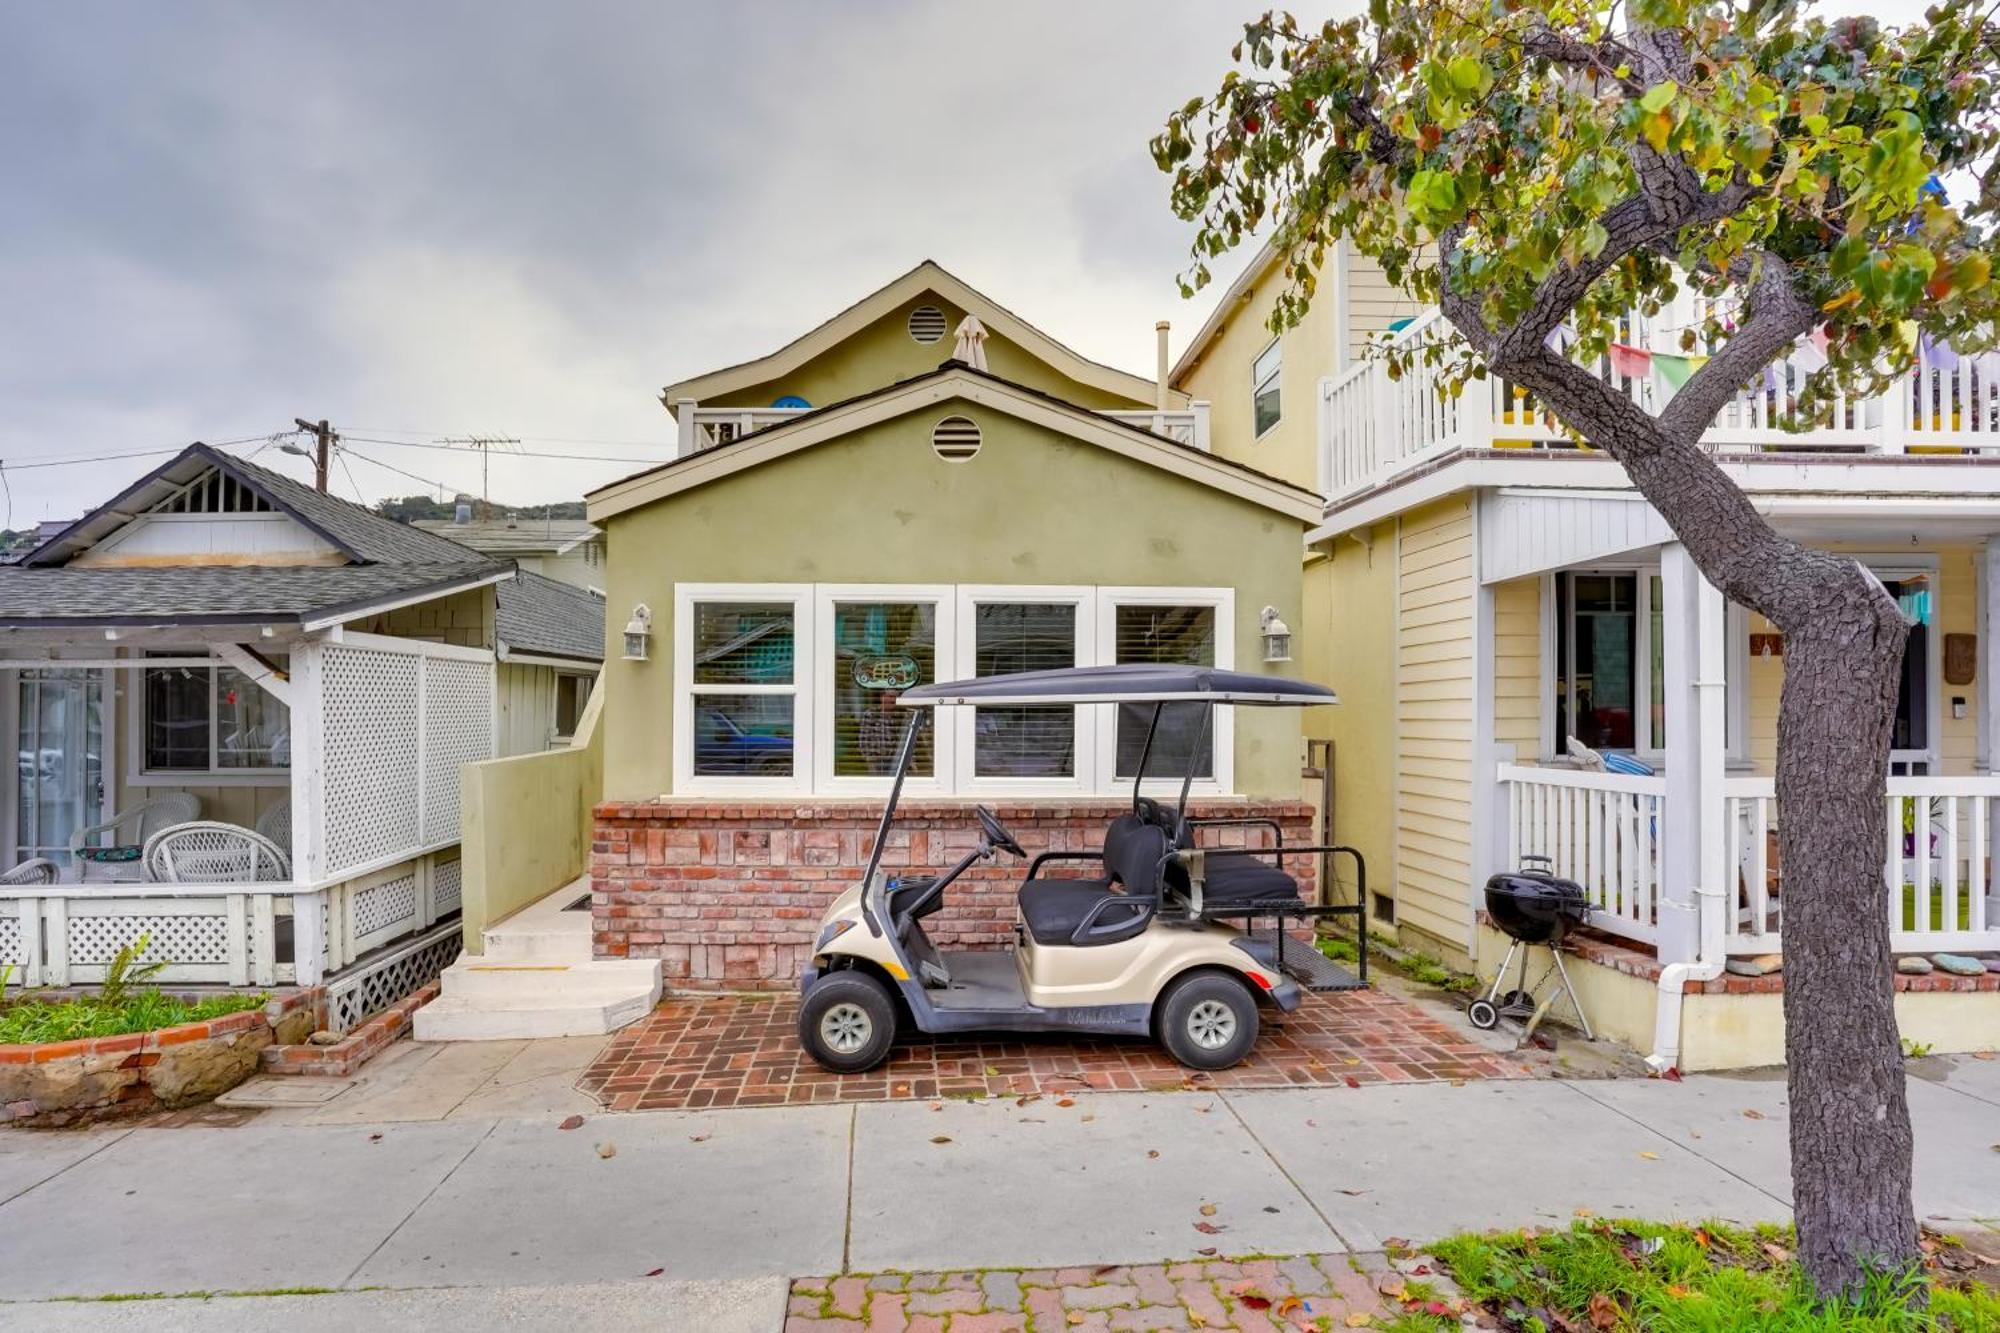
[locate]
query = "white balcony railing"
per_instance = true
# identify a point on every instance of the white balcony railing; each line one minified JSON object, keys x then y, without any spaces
{"x":706,"y":427}
{"x":1605,"y":830}
{"x":1373,"y":428}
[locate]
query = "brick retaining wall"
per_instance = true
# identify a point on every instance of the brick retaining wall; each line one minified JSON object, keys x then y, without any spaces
{"x":727,"y":894}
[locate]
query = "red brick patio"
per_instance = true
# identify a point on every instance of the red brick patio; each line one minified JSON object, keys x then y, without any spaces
{"x":741,"y":1050}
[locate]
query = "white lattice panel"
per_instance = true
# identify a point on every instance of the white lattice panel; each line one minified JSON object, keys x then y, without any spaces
{"x":372,"y":985}
{"x":458,"y":729}
{"x":447,"y":886}
{"x":11,"y":950}
{"x":371,"y":755}
{"x":385,"y":909}
{"x":179,"y":939}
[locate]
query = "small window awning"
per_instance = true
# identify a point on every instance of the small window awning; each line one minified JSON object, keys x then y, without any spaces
{"x":1122,"y":685}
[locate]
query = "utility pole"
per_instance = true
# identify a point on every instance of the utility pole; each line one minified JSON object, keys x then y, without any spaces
{"x":322,"y":451}
{"x":484,"y":444}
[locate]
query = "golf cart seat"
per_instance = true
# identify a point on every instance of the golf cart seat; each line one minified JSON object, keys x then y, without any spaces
{"x":1242,"y":879}
{"x":1076,"y":911}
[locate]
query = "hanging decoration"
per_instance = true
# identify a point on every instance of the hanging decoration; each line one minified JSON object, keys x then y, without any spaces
{"x":1675,"y":369}
{"x":1631,"y":362}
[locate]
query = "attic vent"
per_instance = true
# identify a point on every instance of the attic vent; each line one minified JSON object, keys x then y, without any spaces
{"x":927,"y":324}
{"x":213,"y":493}
{"x":955,"y":439}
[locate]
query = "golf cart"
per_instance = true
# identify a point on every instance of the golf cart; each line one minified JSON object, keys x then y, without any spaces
{"x":1159,"y":936}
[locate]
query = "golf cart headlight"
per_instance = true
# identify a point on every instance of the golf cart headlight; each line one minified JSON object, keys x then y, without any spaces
{"x":833,"y":931}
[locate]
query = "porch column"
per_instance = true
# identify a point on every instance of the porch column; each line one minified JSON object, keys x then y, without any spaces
{"x":1692,"y":847}
{"x":1989,"y":678}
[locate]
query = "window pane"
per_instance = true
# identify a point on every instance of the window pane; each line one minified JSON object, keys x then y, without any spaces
{"x":742,"y":643}
{"x":1657,"y":667}
{"x":572,"y":693}
{"x":1602,"y":637}
{"x":1265,"y":378}
{"x":880,"y":649}
{"x":176,"y":719}
{"x":252,"y":729}
{"x":1267,"y":408}
{"x":1178,"y":635}
{"x":1268,"y":362}
{"x":1024,"y":742}
{"x":743,"y":735}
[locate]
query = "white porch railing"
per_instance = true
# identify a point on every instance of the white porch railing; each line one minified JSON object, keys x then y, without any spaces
{"x":1373,"y":427}
{"x":224,"y":934}
{"x":706,"y":427}
{"x":1601,"y":830}
{"x":1604,"y":830}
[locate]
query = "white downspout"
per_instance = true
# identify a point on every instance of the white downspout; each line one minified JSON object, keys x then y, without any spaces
{"x":1711,"y":702}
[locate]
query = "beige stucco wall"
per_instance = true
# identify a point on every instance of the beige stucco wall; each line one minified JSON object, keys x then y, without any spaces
{"x":878,"y":506}
{"x":1350,"y":599}
{"x":1433,"y":710}
{"x":525,"y":826}
{"x":884,"y":353}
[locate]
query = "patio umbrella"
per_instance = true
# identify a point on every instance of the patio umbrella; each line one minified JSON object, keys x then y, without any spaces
{"x":971,"y":345}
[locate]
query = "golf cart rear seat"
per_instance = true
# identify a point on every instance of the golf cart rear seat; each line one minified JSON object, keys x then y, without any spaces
{"x":1096,"y":911}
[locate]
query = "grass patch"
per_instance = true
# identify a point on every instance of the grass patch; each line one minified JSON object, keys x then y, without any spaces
{"x":30,"y":1020}
{"x":1680,"y":1279}
{"x":1339,"y":948}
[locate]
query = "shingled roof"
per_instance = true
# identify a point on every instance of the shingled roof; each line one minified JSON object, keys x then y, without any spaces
{"x":550,"y":618}
{"x":385,"y":561}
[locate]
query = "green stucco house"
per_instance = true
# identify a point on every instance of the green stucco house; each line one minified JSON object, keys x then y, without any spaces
{"x":925,"y":487}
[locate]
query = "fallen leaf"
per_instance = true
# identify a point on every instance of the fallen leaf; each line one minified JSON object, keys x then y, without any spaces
{"x":374,"y":1138}
{"x":940,"y":1138}
{"x":1102,"y":1269}
{"x":1084,"y":1120}
{"x":1753,"y":1114}
{"x":1777,"y":1254}
{"x":1025,"y":1100}
{"x":1984,"y":1055}
{"x":1065,"y":1101}
{"x":1312,"y":1124}
{"x":1421,"y":1270}
{"x":1152,"y":1152}
{"x":1196,"y":1319}
{"x":1585,"y":1212}
{"x":1208,"y":1250}
{"x":1255,"y":1302}
{"x":607,"y":1150}
{"x":937,"y":1106}
{"x":991,"y":1070}
{"x":1351,"y":1081}
{"x":697,"y":1138}
{"x":1395,"y":1243}
{"x":1284,"y":1308}
{"x":654,"y":1272}
{"x":1650,"y":1156}
{"x":1075,"y":1317}
{"x":1204,"y":1109}
{"x":1677,"y":1291}
{"x":1208,"y":1210}
{"x":1208,"y":1228}
{"x":1359,"y":1319}
{"x":1269,"y":1209}
{"x":1354,"y":1193}
{"x":1702,"y":1238}
{"x":902,"y":1090}
{"x":1391,"y":1285}
{"x":574,"y":1122}
{"x":1604,"y":1312}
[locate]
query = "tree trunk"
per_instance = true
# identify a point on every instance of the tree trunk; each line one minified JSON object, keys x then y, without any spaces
{"x":1850,"y":1122}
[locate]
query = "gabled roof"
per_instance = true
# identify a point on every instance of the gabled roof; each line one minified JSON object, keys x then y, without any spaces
{"x":526,"y":536}
{"x":953,"y":379}
{"x":388,"y":563}
{"x":1233,"y":296}
{"x":925,"y":277}
{"x":549,"y":618}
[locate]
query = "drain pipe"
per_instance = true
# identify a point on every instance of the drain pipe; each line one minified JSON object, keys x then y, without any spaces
{"x":1712,"y":869}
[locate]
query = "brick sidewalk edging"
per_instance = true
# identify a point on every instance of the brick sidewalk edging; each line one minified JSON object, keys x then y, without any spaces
{"x":1251,"y":1295}
{"x":348,"y":1054}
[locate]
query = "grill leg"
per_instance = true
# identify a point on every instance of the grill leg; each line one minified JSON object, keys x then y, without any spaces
{"x":1570,"y":991}
{"x":1500,"y":976}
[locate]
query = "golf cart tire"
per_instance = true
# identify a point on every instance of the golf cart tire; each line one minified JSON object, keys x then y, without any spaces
{"x":853,"y":1003}
{"x":1207,"y":1020}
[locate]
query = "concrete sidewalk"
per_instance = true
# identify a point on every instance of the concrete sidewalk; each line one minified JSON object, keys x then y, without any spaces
{"x":510,"y":1202}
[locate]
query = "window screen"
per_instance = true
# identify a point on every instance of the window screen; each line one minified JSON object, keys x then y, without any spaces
{"x":1175,"y":635}
{"x":1027,"y":742}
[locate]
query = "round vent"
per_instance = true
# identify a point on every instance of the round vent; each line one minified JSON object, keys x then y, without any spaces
{"x":927,"y":324}
{"x":955,"y":439}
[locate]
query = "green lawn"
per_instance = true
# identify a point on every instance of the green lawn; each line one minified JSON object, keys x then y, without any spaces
{"x":1651,"y":1278}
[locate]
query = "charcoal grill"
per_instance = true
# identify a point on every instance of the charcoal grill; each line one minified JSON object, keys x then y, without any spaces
{"x":1534,"y":908}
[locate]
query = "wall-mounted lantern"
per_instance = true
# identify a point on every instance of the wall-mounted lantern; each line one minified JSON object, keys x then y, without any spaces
{"x":638,"y":633}
{"x":1277,"y":636}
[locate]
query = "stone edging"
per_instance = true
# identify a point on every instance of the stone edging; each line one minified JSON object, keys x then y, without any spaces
{"x":348,"y":1054}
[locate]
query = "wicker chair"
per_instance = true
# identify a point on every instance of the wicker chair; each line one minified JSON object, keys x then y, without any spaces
{"x":41,"y":870}
{"x":208,"y":852}
{"x":276,"y":824}
{"x":131,"y":828}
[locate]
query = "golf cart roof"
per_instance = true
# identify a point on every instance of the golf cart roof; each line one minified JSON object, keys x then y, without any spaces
{"x":1121,"y":685}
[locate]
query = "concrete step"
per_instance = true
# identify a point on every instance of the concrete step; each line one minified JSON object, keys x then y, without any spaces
{"x":544,"y":945}
{"x":487,"y":1001}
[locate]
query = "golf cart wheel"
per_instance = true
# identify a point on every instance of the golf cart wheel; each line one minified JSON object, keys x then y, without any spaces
{"x":1484,"y":1015}
{"x":1207,"y":1021}
{"x":848,"y":1022}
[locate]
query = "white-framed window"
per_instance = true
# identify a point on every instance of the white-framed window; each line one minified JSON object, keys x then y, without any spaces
{"x":208,"y":721}
{"x":1266,"y":372}
{"x":742,"y":710}
{"x":572,"y":694}
{"x":792,"y":688}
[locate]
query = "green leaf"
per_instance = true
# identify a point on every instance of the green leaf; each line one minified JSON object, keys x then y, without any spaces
{"x":1660,"y":96}
{"x":1468,"y":75}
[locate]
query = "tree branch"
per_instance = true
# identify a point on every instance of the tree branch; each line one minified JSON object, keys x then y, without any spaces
{"x":1776,"y":317}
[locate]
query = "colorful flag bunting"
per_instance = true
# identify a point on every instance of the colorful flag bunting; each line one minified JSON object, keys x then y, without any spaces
{"x":1676,"y":369}
{"x":1631,"y":362}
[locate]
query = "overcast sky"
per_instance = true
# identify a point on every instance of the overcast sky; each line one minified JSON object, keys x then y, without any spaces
{"x":522,"y":219}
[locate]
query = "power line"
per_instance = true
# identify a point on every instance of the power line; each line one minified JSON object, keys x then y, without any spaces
{"x":526,"y":439}
{"x":51,"y":460}
{"x":518,"y":453}
{"x":349,"y":451}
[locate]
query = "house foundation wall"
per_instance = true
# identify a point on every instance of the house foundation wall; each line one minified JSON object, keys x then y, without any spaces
{"x":729,"y":894}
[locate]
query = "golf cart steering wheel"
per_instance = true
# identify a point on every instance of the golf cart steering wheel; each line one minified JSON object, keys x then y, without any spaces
{"x":996,"y":832}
